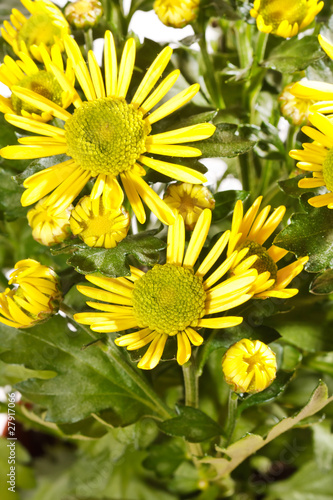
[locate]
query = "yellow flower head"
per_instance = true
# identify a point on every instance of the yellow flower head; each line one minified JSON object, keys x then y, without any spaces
{"x":189,"y":200}
{"x":46,"y":25}
{"x":294,"y":109}
{"x":106,"y":136}
{"x":84,"y":14}
{"x":25,"y":73}
{"x":285,"y":18}
{"x":176,"y":13}
{"x":249,"y":366}
{"x":172,"y":299}
{"x":97,"y":225}
{"x":249,"y":232}
{"x":49,"y":226}
{"x":35,"y":295}
{"x":318,"y":158}
{"x":315,"y":90}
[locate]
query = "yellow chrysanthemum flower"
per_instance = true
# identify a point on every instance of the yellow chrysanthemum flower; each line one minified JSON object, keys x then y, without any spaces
{"x":189,"y":200}
{"x":46,"y":25}
{"x":176,"y":13}
{"x":248,"y":234}
{"x":315,"y":90}
{"x":249,"y":366}
{"x":35,"y":296}
{"x":294,"y":109}
{"x":25,"y":73}
{"x":107,"y":137}
{"x":83,"y":14}
{"x":318,"y":158}
{"x":98,"y":226}
{"x":49,"y":226}
{"x":171,"y":299}
{"x":285,"y":18}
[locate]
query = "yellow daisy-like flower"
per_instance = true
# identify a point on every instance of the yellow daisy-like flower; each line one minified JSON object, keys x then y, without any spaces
{"x":316,"y":90}
{"x":98,"y":226}
{"x":296,"y":110}
{"x":189,"y":200}
{"x":171,"y":299}
{"x":176,"y":13}
{"x":46,"y":25}
{"x":285,"y":18}
{"x":249,"y":366}
{"x":35,"y":296}
{"x":25,"y":73}
{"x":49,"y":226}
{"x":83,"y":14}
{"x":248,"y":234}
{"x":318,"y":158}
{"x":107,"y":137}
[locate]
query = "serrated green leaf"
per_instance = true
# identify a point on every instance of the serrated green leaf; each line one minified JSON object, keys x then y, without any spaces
{"x":310,"y":234}
{"x":272,"y":392}
{"x":10,"y":196}
{"x":164,"y":458}
{"x":113,"y":262}
{"x":240,"y":450}
{"x":323,"y":283}
{"x":192,"y":424}
{"x":225,"y":202}
{"x":88,"y":380}
{"x":226,"y":142}
{"x":294,"y":55}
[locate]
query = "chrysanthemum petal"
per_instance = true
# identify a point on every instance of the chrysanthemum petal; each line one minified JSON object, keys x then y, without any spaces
{"x":184,"y":348}
{"x":40,"y":102}
{"x":126,"y":68}
{"x":160,"y":92}
{"x":154,"y":352}
{"x":214,"y":254}
{"x":198,"y":238}
{"x":178,"y":172}
{"x":174,"y":103}
{"x":186,"y":134}
{"x":225,"y":322}
{"x":110,"y":63}
{"x":133,"y":197}
{"x":176,"y":242}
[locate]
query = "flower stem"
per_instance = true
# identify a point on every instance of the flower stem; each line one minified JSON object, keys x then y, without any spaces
{"x":192,"y":399}
{"x":231,"y":418}
{"x":261,"y":46}
{"x":88,"y":39}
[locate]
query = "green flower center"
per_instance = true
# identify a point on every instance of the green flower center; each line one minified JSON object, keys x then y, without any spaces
{"x":44,"y":84}
{"x":328,"y":170}
{"x":276,"y":11}
{"x":264,"y":262}
{"x":39,"y":28}
{"x":106,"y":136}
{"x":168,"y":299}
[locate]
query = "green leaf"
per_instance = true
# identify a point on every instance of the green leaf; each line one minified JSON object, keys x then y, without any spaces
{"x":308,"y":483}
{"x":164,"y":458}
{"x":227,"y":142}
{"x":10,"y":196}
{"x":294,"y":55}
{"x":113,"y":262}
{"x":310,"y":234}
{"x":191,"y":424}
{"x":88,"y":380}
{"x":225,"y":202}
{"x":272,"y":392}
{"x":320,"y":362}
{"x":323,"y":445}
{"x":323,"y":283}
{"x":237,"y":452}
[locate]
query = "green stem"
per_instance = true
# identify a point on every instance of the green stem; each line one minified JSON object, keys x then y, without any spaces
{"x":261,"y":46}
{"x":210,"y":73}
{"x":290,"y":144}
{"x":192,"y":399}
{"x":88,"y":39}
{"x":232,"y":413}
{"x":245,"y":170}
{"x":154,"y":401}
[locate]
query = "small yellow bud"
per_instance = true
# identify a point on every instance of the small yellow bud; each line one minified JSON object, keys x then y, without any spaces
{"x":97,"y":225}
{"x":176,"y":13}
{"x":34,"y":297}
{"x":84,"y":14}
{"x":48,"y":226}
{"x":249,"y":366}
{"x":189,"y":200}
{"x":294,"y":109}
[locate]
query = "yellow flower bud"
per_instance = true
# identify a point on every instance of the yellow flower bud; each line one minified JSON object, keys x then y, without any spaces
{"x":84,"y":14}
{"x":294,"y":109}
{"x":176,"y":13}
{"x":48,"y":226}
{"x":189,"y":200}
{"x":35,"y":295}
{"x":249,"y":366}
{"x":97,"y":225}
